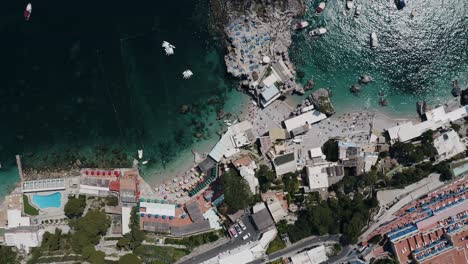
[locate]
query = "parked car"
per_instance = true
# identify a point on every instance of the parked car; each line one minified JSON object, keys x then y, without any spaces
{"x":238,"y":228}
{"x":246,"y":236}
{"x":233,"y":232}
{"x":242,"y":225}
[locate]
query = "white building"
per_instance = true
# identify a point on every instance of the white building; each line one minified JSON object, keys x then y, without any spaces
{"x":248,"y":174}
{"x":317,"y":177}
{"x":436,"y":119}
{"x":269,"y":94}
{"x":16,"y":220}
{"x":307,"y":118}
{"x":276,"y":209}
{"x":126,"y":214}
{"x":316,"y":255}
{"x":157,"y":209}
{"x":285,"y":163}
{"x":24,"y":237}
{"x":237,"y":135}
{"x":448,"y":145}
{"x":370,"y":158}
{"x":246,"y":253}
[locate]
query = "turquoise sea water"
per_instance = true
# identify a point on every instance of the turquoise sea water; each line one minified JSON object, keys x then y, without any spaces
{"x":47,"y":201}
{"x":89,"y":80}
{"x":417,"y":58}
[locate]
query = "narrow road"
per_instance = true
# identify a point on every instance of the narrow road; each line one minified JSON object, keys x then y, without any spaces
{"x":301,"y":246}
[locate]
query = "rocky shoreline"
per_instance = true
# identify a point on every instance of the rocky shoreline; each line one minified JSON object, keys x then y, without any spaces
{"x":257,"y":34}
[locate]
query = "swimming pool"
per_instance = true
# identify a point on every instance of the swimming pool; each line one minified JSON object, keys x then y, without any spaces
{"x":46,"y":201}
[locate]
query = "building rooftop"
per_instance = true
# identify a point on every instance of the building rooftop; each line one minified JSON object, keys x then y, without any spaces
{"x":315,"y":255}
{"x":304,"y":119}
{"x":277,"y":134}
{"x":157,"y":209}
{"x":262,"y":219}
{"x":276,"y":209}
{"x":226,"y":146}
{"x":269,"y":94}
{"x":448,"y":144}
{"x":283,"y":159}
{"x":317,"y":177}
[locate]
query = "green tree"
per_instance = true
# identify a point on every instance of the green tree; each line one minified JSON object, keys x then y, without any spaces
{"x":265,"y":177}
{"x":443,"y":168}
{"x":97,"y":257}
{"x":237,"y":193}
{"x":123,"y":243}
{"x":75,"y":207}
{"x":89,"y":229}
{"x":129,"y":259}
{"x":331,"y":150}
{"x":7,"y":255}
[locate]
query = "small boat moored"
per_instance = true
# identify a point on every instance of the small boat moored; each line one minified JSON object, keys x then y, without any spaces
{"x":358,"y":11}
{"x":349,"y":4}
{"x":140,"y":154}
{"x":320,"y":7}
{"x":318,"y":32}
{"x":27,"y":12}
{"x":302,"y":24}
{"x":374,"y":40}
{"x":187,"y":74}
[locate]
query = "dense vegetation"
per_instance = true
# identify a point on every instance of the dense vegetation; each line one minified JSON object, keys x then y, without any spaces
{"x":342,"y":215}
{"x":7,"y":255}
{"x":330,"y":150}
{"x":265,"y":178}
{"x":28,"y":208}
{"x":156,"y":254}
{"x":88,"y":230}
{"x":276,"y":245}
{"x":75,"y":206}
{"x":237,"y":194}
{"x":112,"y":201}
{"x":135,"y":237}
{"x":194,"y":241}
{"x":408,"y":153}
{"x":129,"y":259}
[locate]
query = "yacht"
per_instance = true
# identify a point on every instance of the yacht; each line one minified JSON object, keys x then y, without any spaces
{"x":27,"y":12}
{"x":374,"y":40}
{"x":318,"y":32}
{"x":302,"y":24}
{"x":320,"y":7}
{"x":349,"y":4}
{"x":140,"y":153}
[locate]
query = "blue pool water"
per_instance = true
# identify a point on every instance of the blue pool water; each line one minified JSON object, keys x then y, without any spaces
{"x":46,"y":201}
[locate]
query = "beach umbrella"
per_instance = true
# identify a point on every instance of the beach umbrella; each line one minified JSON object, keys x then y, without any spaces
{"x":171,"y":217}
{"x":183,"y":216}
{"x":142,"y":199}
{"x":98,"y":173}
{"x":86,"y":172}
{"x":92,"y":172}
{"x":163,"y":201}
{"x":163,"y":217}
{"x":156,"y":216}
{"x":148,"y":200}
{"x":165,"y":196}
{"x":198,"y":197}
{"x":178,"y":195}
{"x":155,"y":200}
{"x":142,"y":215}
{"x":116,"y":173}
{"x":149,"y":215}
{"x":109,"y":173}
{"x":181,"y":205}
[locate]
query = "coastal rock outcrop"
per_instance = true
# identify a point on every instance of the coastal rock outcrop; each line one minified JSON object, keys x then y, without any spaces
{"x":309,"y":85}
{"x":184,"y":109}
{"x":321,"y":99}
{"x":365,"y":79}
{"x":464,"y":97}
{"x":220,"y":114}
{"x":383,"y":101}
{"x":456,"y":91}
{"x":356,"y":88}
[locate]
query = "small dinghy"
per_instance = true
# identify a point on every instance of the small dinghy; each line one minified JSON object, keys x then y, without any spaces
{"x":187,"y":74}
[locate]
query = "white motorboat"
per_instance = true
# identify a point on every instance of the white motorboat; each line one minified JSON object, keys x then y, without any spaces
{"x":302,"y":24}
{"x":358,"y":11}
{"x":140,"y":154}
{"x":187,"y":74}
{"x":168,"y":48}
{"x":145,"y":162}
{"x":374,"y":40}
{"x":349,"y":4}
{"x":320,"y":7}
{"x":27,"y":12}
{"x":318,"y":32}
